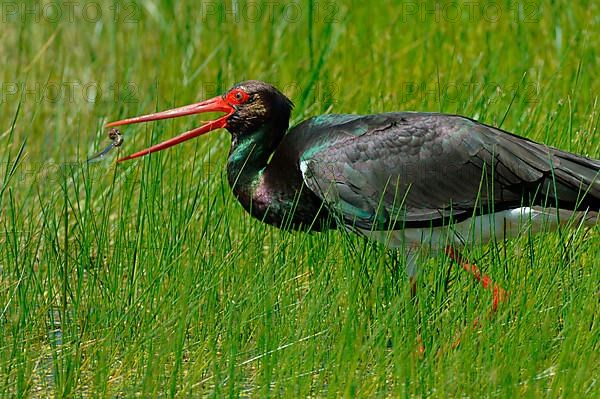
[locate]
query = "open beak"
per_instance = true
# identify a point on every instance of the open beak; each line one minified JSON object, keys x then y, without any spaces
{"x":217,"y":104}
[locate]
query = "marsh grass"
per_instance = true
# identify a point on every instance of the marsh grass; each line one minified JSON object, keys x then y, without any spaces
{"x":148,"y":279}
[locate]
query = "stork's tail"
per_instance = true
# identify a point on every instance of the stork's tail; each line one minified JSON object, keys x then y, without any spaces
{"x":575,"y":182}
{"x":562,"y":179}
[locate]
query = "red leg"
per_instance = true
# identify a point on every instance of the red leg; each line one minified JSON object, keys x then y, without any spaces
{"x":500,"y":295}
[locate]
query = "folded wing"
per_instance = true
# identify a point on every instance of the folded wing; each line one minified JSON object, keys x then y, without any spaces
{"x":415,"y":170}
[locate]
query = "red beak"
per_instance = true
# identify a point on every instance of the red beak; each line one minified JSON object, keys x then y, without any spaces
{"x":217,"y":104}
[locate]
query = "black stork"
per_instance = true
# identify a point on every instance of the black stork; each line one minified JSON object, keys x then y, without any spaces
{"x":424,"y":182}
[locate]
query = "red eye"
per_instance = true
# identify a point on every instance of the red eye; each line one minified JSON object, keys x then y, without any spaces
{"x":237,"y":96}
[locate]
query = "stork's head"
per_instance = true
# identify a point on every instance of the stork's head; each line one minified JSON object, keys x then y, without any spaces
{"x":248,"y":107}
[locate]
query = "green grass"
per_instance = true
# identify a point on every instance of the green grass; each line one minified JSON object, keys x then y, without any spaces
{"x":148,"y":279}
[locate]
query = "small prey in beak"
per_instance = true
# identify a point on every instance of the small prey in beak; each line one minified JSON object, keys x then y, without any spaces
{"x":117,"y":139}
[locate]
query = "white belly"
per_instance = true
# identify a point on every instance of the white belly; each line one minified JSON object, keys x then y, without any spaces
{"x":479,"y":229}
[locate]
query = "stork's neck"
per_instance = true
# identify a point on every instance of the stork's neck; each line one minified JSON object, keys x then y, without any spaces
{"x":272,"y":191}
{"x":248,"y":159}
